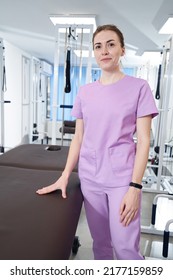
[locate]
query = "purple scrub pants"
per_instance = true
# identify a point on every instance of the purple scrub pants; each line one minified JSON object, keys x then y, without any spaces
{"x":111,"y":240}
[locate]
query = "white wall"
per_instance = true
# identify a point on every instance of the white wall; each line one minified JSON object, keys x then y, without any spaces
{"x":13,"y":111}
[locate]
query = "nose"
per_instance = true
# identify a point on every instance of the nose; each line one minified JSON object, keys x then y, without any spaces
{"x":104,"y":50}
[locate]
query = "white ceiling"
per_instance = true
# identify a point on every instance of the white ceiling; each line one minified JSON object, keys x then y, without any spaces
{"x":26,"y":23}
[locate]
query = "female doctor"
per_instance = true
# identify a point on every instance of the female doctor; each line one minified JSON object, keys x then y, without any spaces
{"x":111,"y":166}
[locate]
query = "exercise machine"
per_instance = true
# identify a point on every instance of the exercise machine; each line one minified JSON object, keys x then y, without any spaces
{"x":161,"y":224}
{"x":78,"y":30}
{"x":1,"y":96}
{"x":3,"y":89}
{"x":159,"y":180}
{"x":41,"y":72}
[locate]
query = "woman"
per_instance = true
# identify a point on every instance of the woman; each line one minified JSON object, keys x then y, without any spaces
{"x":111,"y":165}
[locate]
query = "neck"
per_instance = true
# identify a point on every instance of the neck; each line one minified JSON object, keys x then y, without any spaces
{"x":110,"y":78}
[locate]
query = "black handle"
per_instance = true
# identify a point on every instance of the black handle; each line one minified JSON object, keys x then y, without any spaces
{"x":153,"y":216}
{"x":66,"y":106}
{"x":165,"y":244}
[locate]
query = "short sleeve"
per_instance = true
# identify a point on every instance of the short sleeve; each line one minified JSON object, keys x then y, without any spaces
{"x":77,"y":108}
{"x":146,"y":102}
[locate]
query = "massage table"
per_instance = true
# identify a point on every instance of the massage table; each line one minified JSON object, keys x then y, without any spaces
{"x":35,"y":156}
{"x":36,"y":226}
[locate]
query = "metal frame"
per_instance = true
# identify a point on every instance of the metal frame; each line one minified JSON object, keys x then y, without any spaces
{"x":166,"y":233}
{"x":1,"y":97}
{"x":162,"y":182}
{"x":38,"y":101}
{"x":151,"y":228}
{"x":167,"y":81}
{"x":56,"y":106}
{"x":35,"y":79}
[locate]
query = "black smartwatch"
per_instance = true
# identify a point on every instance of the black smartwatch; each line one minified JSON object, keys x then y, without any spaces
{"x":135,"y":185}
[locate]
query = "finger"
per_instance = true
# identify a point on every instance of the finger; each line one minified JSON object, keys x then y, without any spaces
{"x":135,"y":214}
{"x":122,"y":217}
{"x":125,"y":217}
{"x":122,"y":207}
{"x":41,"y":191}
{"x":45,"y":190}
{"x":129,"y":219}
{"x":64,"y":193}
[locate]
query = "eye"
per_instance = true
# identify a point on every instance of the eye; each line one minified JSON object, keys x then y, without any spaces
{"x":97,"y":47}
{"x":111,"y":44}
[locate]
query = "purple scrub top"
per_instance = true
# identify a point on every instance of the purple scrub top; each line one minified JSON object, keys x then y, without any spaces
{"x":109,"y":113}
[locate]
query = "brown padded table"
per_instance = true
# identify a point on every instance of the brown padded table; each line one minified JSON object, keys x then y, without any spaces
{"x":36,"y":226}
{"x":36,"y":156}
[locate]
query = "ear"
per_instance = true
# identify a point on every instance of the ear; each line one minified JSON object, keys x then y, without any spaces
{"x":123,"y":51}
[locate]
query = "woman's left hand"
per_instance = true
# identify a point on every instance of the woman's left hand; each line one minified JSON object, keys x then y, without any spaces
{"x":130,"y":205}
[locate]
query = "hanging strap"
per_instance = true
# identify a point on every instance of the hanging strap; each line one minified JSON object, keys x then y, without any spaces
{"x":67,"y":72}
{"x":157,"y":96}
{"x":4,"y":83}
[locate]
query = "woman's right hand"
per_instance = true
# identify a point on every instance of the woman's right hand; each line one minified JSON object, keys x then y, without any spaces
{"x":61,"y":184}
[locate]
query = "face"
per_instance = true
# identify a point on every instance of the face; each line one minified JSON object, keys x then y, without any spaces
{"x":107,"y":50}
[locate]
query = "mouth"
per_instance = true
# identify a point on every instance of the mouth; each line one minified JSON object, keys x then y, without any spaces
{"x":105,"y":59}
